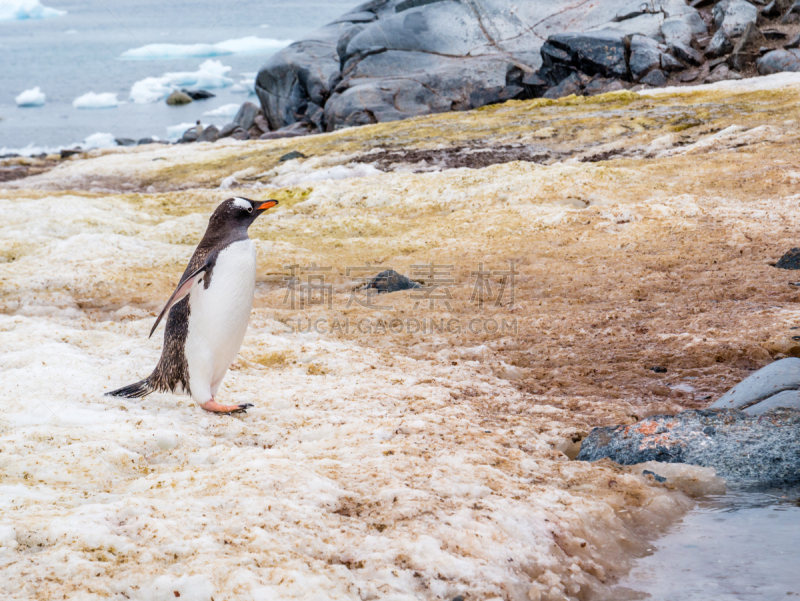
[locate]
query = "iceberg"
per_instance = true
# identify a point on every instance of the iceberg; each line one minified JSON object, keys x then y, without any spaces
{"x":246,"y":85}
{"x":33,"y":97}
{"x":248,"y":45}
{"x":19,"y":10}
{"x":99,"y":140}
{"x":90,"y":100}
{"x":210,"y":74}
{"x":227,"y":111}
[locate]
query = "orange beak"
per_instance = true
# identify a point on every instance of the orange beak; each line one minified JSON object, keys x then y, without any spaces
{"x":267,"y":205}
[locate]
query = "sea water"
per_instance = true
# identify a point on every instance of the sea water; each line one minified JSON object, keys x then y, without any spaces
{"x":86,"y":57}
{"x":742,"y":546}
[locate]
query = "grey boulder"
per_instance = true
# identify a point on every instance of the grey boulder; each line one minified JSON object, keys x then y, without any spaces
{"x":210,"y":134}
{"x":246,"y":116}
{"x":744,"y":449}
{"x":720,"y":44}
{"x":733,"y":16}
{"x":767,"y":382}
{"x":779,"y":60}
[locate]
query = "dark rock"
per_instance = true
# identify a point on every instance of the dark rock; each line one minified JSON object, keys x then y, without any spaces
{"x":198,"y":94}
{"x":645,"y":56}
{"x":687,"y":54}
{"x":245,"y":117}
{"x":240,"y":134}
{"x":602,"y":85}
{"x":125,"y":142}
{"x":229,"y":130}
{"x":655,"y":78}
{"x":744,"y":449}
{"x":766,"y":382}
{"x":594,"y":53}
{"x":655,"y":476}
{"x":746,"y":52}
{"x":290,"y":131}
{"x":670,"y":63}
{"x":178,"y":98}
{"x":261,"y":123}
{"x":391,"y":281}
{"x":295,"y":154}
{"x":143,"y":141}
{"x":255,"y":132}
{"x":773,"y":9}
{"x":733,"y":16}
{"x":689,"y":76}
{"x":210,"y":134}
{"x":779,"y":60}
{"x":793,"y":43}
{"x":570,"y":85}
{"x":190,"y":135}
{"x":659,"y":369}
{"x":790,"y":260}
{"x":68,"y":152}
{"x":720,"y":73}
{"x":720,"y":44}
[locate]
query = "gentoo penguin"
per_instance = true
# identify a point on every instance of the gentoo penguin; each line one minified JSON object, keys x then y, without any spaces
{"x":198,"y":128}
{"x":209,"y":310}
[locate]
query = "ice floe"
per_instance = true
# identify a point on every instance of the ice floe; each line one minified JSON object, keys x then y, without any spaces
{"x":247,"y":45}
{"x":224,"y":111}
{"x":32,"y":97}
{"x":210,"y":74}
{"x":19,"y":10}
{"x":90,"y":100}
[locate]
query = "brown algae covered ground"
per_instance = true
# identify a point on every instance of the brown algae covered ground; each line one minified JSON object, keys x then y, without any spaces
{"x":414,"y":445}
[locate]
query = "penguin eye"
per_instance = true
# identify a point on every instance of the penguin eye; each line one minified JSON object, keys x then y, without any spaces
{"x":249,"y":209}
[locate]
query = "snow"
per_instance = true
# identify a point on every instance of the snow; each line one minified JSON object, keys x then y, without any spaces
{"x":210,"y":74}
{"x":99,"y":140}
{"x":225,"y":111}
{"x":90,"y":100}
{"x":365,"y":481}
{"x":32,"y":97}
{"x":247,"y":45}
{"x":309,"y":174}
{"x":775,"y":81}
{"x":18,"y":10}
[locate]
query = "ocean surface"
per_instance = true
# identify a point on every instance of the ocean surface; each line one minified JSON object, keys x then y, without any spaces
{"x":113,"y":49}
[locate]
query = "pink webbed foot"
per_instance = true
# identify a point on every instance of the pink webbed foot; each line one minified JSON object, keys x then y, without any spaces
{"x":213,"y":406}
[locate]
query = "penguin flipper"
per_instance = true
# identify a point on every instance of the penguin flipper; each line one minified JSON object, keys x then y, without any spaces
{"x":184,"y":288}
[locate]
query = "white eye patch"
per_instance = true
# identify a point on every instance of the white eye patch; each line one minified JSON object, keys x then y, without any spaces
{"x":242,"y":203}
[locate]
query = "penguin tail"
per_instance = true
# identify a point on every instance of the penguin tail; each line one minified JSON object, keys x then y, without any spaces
{"x":134,"y":391}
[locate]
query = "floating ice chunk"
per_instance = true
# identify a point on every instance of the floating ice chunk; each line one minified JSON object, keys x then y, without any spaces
{"x":246,"y":85}
{"x":90,"y":100}
{"x":32,"y":97}
{"x":248,"y":45}
{"x":175,"y":132}
{"x":226,"y":111}
{"x":99,"y":140}
{"x":18,"y":10}
{"x":210,"y":74}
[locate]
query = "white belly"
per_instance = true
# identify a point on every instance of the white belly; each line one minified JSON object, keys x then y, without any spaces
{"x":218,"y":318}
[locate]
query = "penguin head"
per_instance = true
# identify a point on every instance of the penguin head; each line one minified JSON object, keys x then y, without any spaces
{"x":238,"y":212}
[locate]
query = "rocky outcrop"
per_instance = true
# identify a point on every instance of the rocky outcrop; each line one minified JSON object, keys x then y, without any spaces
{"x":744,"y":449}
{"x":394,"y":59}
{"x":749,"y":434}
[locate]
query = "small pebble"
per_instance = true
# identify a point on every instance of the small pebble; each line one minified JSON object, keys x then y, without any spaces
{"x":659,"y":370}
